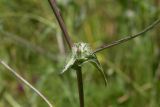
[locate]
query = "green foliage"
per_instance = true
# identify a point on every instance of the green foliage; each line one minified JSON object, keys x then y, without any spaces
{"x":132,"y":68}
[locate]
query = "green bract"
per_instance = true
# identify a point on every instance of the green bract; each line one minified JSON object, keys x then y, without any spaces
{"x":82,"y":53}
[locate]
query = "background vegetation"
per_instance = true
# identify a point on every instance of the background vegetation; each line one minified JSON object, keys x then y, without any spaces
{"x":31,"y":42}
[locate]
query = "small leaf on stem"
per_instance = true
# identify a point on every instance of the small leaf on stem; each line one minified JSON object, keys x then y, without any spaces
{"x":81,"y":54}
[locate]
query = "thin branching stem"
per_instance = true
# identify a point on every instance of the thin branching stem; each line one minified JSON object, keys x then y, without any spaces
{"x":80,"y":86}
{"x":70,"y":43}
{"x":26,"y":82}
{"x":61,"y":22}
{"x":128,"y":37}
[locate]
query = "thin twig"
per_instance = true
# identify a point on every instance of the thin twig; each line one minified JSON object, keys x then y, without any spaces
{"x":128,"y":37}
{"x":80,"y":86}
{"x":61,"y":22}
{"x":26,"y":82}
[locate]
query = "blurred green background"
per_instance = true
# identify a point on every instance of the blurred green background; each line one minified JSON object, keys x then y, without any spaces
{"x":31,"y":43}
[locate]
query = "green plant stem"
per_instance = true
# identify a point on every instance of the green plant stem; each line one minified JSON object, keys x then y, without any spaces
{"x":80,"y":86}
{"x":114,"y":43}
{"x":61,"y":22}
